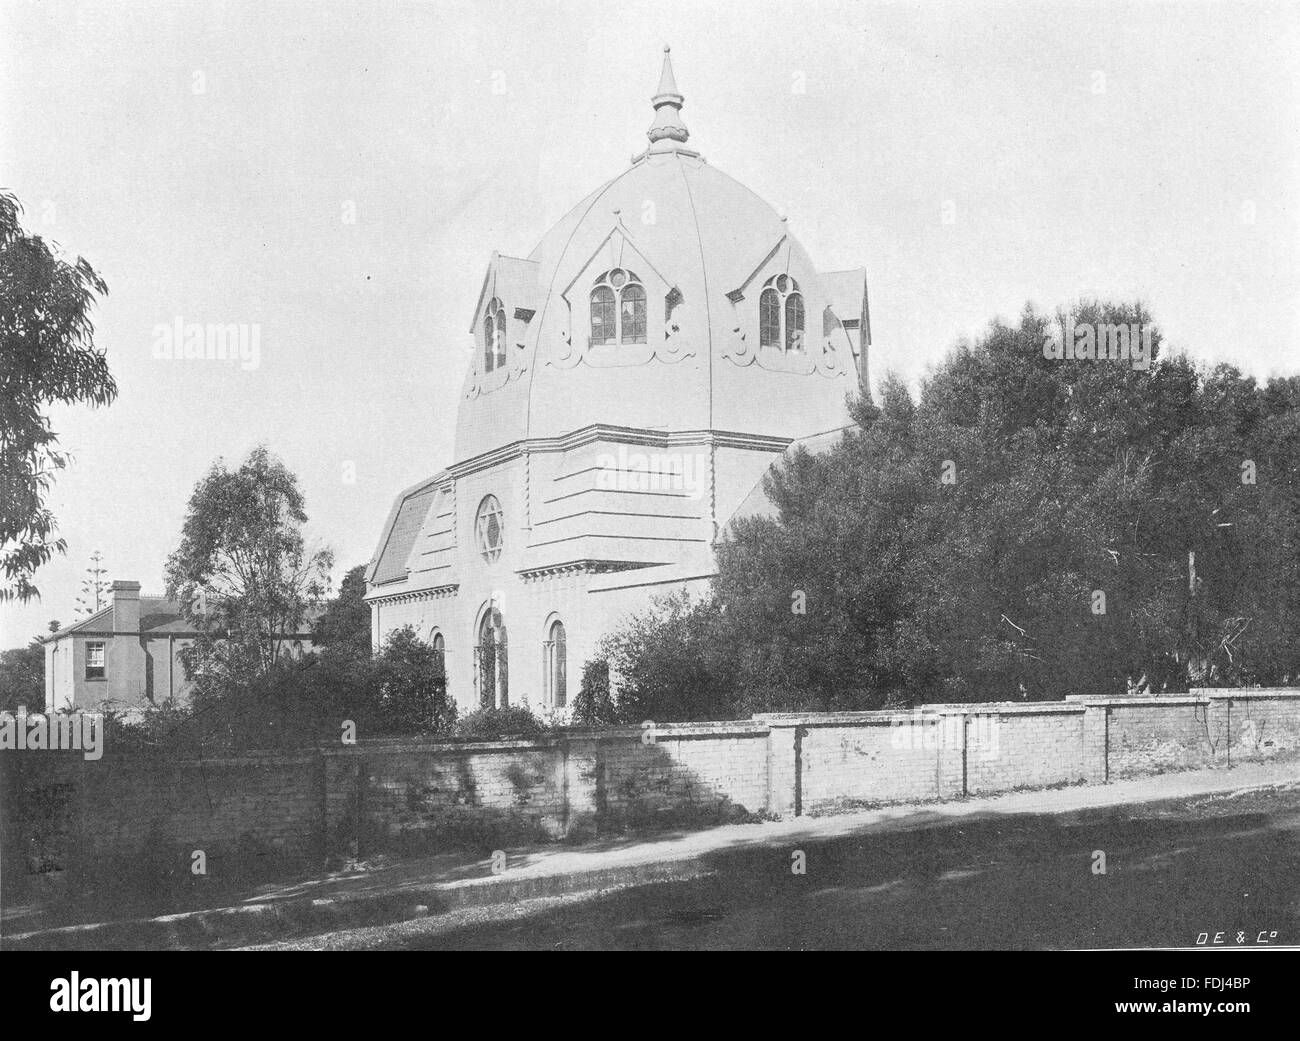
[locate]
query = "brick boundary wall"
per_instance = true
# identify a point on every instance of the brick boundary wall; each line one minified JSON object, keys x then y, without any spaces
{"x":58,"y":810}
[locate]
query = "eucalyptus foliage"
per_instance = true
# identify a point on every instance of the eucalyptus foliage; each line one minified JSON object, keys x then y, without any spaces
{"x":47,"y":355}
{"x":243,"y":572}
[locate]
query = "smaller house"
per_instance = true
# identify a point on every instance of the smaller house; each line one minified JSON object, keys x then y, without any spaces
{"x":127,"y":654}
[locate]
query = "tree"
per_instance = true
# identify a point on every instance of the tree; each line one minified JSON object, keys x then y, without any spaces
{"x":594,"y":704}
{"x":47,"y":355}
{"x":345,"y":622}
{"x":411,"y":686}
{"x":668,"y":665}
{"x":1026,"y":527}
{"x":94,"y":586}
{"x":22,"y":678}
{"x":243,"y":573}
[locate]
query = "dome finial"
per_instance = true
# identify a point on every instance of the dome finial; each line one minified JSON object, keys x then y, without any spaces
{"x":668,"y":127}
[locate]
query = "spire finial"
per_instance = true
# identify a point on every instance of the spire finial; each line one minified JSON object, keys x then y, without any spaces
{"x":668,"y":130}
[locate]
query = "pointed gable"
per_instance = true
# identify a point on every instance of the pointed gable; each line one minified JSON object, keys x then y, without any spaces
{"x":513,"y":281}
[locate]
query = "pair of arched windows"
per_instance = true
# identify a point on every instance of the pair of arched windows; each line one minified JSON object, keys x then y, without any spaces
{"x":618,"y":308}
{"x":780,"y":314}
{"x":491,"y":657}
{"x":494,"y":336}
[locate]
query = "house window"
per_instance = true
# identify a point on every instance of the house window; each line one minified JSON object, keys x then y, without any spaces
{"x":439,"y":646}
{"x":95,"y":660}
{"x":494,"y":336}
{"x":781,"y":315}
{"x":492,"y":657}
{"x":618,"y":313}
{"x":555,"y":657}
{"x":489,"y":531}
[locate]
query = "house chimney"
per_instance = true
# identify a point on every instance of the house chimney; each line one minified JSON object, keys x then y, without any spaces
{"x":126,"y":607}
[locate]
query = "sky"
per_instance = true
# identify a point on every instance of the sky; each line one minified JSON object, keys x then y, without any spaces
{"x":337,"y":175}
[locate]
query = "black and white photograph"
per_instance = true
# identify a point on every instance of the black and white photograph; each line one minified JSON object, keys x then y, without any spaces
{"x":657,"y":476}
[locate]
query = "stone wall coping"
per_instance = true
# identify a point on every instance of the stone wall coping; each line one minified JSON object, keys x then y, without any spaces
{"x":831,"y":719}
{"x":375,"y":747}
{"x":920,"y":714}
{"x":1197,"y":695}
{"x":703,"y":728}
{"x":662,"y":731}
{"x":238,"y":759}
{"x":1247,"y":693}
{"x":249,"y":759}
{"x":1133,"y":701}
{"x":1008,"y":708}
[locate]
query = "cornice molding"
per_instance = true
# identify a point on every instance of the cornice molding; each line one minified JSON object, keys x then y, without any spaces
{"x":413,"y":595}
{"x":619,"y":435}
{"x":533,"y":575}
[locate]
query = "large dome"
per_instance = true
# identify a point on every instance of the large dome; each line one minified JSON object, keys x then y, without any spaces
{"x":683,"y":254}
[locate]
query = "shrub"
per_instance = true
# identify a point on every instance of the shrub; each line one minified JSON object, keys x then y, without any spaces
{"x":594,"y":705}
{"x":671,"y":664}
{"x":300,"y":703}
{"x":488,"y":724}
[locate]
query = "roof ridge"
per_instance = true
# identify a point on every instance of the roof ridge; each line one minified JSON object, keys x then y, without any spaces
{"x":78,"y":624}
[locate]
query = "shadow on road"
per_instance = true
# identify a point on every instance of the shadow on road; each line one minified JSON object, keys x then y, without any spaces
{"x":993,"y":882}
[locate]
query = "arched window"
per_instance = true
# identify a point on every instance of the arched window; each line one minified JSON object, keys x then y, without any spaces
{"x":618,"y":308}
{"x":492,"y":654}
{"x":494,"y":336}
{"x":794,"y":322}
{"x":780,"y":314}
{"x":769,"y":319}
{"x":439,"y":647}
{"x":555,"y":656}
{"x":603,"y":321}
{"x":499,"y":343}
{"x":489,"y":528}
{"x":632,"y":314}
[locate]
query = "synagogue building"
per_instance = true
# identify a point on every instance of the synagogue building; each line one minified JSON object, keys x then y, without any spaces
{"x":633,"y":379}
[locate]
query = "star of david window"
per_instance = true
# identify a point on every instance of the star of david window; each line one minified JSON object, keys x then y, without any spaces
{"x":489,"y":529}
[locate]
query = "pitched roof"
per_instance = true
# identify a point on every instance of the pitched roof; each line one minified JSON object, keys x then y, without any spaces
{"x":156,"y":612}
{"x":757,"y":503}
{"x":402,"y":535}
{"x":157,"y":615}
